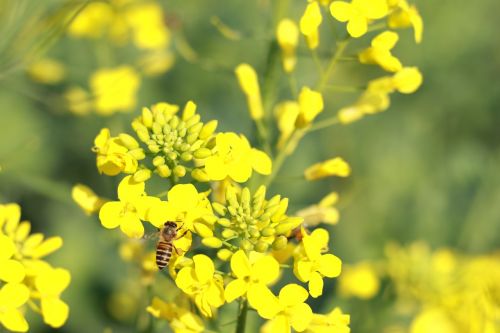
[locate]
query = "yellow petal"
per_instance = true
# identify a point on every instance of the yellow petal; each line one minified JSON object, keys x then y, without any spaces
{"x":316,"y":285}
{"x":23,"y":231}
{"x":302,"y":269}
{"x":263,"y":300}
{"x":235,"y":289}
{"x":240,"y":265}
{"x":183,"y":196}
{"x":300,"y":316}
{"x":11,"y":271}
{"x":144,"y":204}
{"x":47,"y":247}
{"x":160,"y":213}
{"x":129,"y":190}
{"x":7,"y":247}
{"x":14,"y":295}
{"x":239,"y":172}
{"x":266,"y":270}
{"x":330,"y":265}
{"x":261,"y":162}
{"x":14,"y":320}
{"x":204,"y":268}
{"x":342,"y":11}
{"x":132,"y":226}
{"x":54,"y":311}
{"x":215,"y":168}
{"x":110,"y":214}
{"x":357,"y":26}
{"x":247,"y":78}
{"x":292,"y":294}
{"x":385,"y":40}
{"x":52,"y":282}
{"x":279,"y":324}
{"x":408,"y":80}
{"x":215,"y":293}
{"x":185,"y":280}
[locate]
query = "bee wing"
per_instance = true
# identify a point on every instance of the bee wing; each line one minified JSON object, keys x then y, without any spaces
{"x":151,"y":235}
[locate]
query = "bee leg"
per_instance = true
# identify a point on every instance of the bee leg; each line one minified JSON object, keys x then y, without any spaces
{"x":178,"y":251}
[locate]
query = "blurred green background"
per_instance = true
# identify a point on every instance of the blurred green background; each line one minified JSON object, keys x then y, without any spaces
{"x":426,"y":169}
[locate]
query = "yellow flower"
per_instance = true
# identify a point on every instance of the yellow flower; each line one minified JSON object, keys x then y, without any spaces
{"x":309,"y":24}
{"x":249,"y":84}
{"x":407,"y":16}
{"x":130,"y":210}
{"x":332,"y":167}
{"x":358,"y":14}
{"x":78,"y":101}
{"x":12,"y":297}
{"x":86,"y":199}
{"x":180,"y":319}
{"x":115,"y":89}
{"x":148,"y":27}
{"x":323,"y":212}
{"x":11,"y":270}
{"x":433,"y":320}
{"x":113,"y":155}
{"x":50,"y":284}
{"x":286,"y":311}
{"x":310,"y":104}
{"x":407,"y":80}
{"x":311,"y":265}
{"x":156,"y":62}
{"x":184,"y":204}
{"x":235,"y":158}
{"x":201,"y":284}
{"x":286,"y":114}
{"x":334,"y":322}
{"x":92,"y":21}
{"x":253,"y":274}
{"x":380,"y":52}
{"x":287,"y":34}
{"x":47,"y":71}
{"x":359,"y":280}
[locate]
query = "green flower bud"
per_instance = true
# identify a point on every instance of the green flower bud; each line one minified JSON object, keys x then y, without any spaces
{"x":212,"y":242}
{"x":142,"y":175}
{"x":280,"y":243}
{"x":203,"y":230}
{"x":254,"y":232}
{"x":172,"y":156}
{"x":163,"y":171}
{"x":154,"y":148}
{"x":185,"y":156}
{"x":224,"y":254}
{"x":266,"y":232}
{"x":179,"y":171}
{"x":157,"y":128}
{"x":224,"y":222}
{"x":195,"y":128}
{"x":219,"y":208}
{"x":143,"y":134}
{"x":182,"y":132}
{"x":192,"y":120}
{"x":261,"y":246}
{"x":208,"y":129}
{"x":174,"y":121}
{"x":202,"y":153}
{"x":232,"y":211}
{"x":200,"y":175}
{"x":228,"y":233}
{"x":191,"y":138}
{"x":159,"y":119}
{"x":189,"y":110}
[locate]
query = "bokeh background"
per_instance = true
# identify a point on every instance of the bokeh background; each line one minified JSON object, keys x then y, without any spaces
{"x":426,"y":169}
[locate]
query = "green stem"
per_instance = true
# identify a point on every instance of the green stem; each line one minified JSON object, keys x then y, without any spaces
{"x":323,"y":124}
{"x":331,"y":65}
{"x":242,"y":316}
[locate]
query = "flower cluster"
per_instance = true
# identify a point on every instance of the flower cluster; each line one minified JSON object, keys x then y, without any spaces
{"x":26,"y":279}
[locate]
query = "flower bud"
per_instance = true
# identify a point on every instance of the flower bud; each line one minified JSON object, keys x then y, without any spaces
{"x":179,"y":171}
{"x":224,"y":222}
{"x":163,"y":171}
{"x":212,"y":242}
{"x":208,"y":129}
{"x":224,"y":254}
{"x":280,"y":243}
{"x":202,"y":153}
{"x":203,"y":230}
{"x":128,"y":141}
{"x":261,"y":246}
{"x":142,"y":175}
{"x":147,"y":117}
{"x":158,"y":160}
{"x":200,"y":175}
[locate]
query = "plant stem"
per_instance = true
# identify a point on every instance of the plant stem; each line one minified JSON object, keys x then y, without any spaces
{"x":323,"y":124}
{"x":242,"y":316}
{"x":331,"y":65}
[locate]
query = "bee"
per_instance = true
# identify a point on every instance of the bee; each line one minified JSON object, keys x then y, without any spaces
{"x":168,"y":234}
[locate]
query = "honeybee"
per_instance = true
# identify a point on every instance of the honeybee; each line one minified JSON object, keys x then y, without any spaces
{"x":167,"y":235}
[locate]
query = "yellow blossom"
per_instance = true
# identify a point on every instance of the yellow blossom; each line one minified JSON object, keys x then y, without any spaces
{"x":93,"y":20}
{"x":407,"y":16}
{"x":407,"y":80}
{"x":286,"y":114}
{"x":12,"y":297}
{"x":332,"y":167}
{"x":333,"y":322}
{"x":309,"y":24}
{"x":115,"y":89}
{"x":88,"y":201}
{"x":47,"y":71}
{"x":358,"y":14}
{"x":253,"y":274}
{"x":380,"y":52}
{"x":156,"y":62}
{"x":287,"y":35}
{"x":311,"y":265}
{"x":323,"y":212}
{"x":78,"y":101}
{"x":235,"y":158}
{"x":249,"y":84}
{"x":286,"y":311}
{"x":148,"y":26}
{"x":113,"y":155}
{"x":132,"y":207}
{"x":11,"y":270}
{"x":50,"y":284}
{"x":180,"y":319}
{"x":202,"y":284}
{"x":433,"y":320}
{"x":359,"y":280}
{"x":310,"y":104}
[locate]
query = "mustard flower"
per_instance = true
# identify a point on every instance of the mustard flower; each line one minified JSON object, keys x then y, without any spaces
{"x":286,"y":114}
{"x":405,"y":16}
{"x":47,"y":71}
{"x":309,"y":24}
{"x":332,"y":167}
{"x":310,"y":265}
{"x":148,"y":27}
{"x":11,"y":270}
{"x":93,"y":21}
{"x":175,"y":140}
{"x":235,"y":158}
{"x":202,"y":284}
{"x":78,"y":100}
{"x":180,"y":319}
{"x":380,"y":52}
{"x":407,"y":80}
{"x":358,"y":14}
{"x":115,"y":89}
{"x":333,"y":322}
{"x":12,"y":297}
{"x":86,"y":199}
{"x":116,"y":154}
{"x":132,"y":207}
{"x":310,"y":104}
{"x":286,"y":311}
{"x":250,"y":222}
{"x":253,"y":274}
{"x":287,"y":34}
{"x":186,"y":205}
{"x":249,"y":84}
{"x":359,"y":280}
{"x":50,"y":284}
{"x":323,"y":212}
